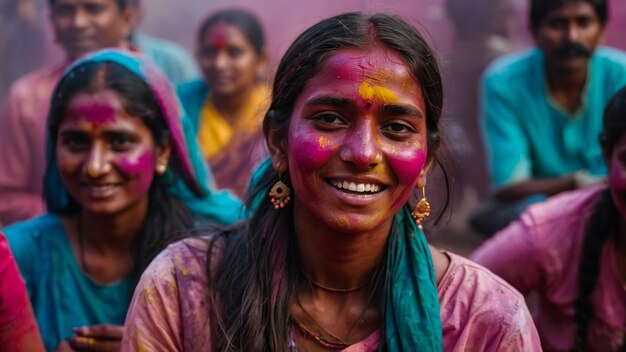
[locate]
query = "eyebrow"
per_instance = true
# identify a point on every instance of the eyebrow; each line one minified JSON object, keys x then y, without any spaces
{"x":402,"y":109}
{"x":395,"y":109}
{"x":327,"y":100}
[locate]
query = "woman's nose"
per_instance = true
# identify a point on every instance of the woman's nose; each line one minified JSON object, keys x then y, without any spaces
{"x":97,"y":163}
{"x":361,"y":146}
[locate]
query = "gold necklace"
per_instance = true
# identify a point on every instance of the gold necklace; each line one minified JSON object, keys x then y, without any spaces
{"x":333,"y":289}
{"x":332,"y":341}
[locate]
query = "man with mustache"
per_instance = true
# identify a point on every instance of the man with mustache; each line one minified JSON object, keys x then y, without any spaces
{"x":542,"y":110}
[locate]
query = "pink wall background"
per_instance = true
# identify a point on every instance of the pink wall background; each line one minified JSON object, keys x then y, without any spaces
{"x":283,"y":20}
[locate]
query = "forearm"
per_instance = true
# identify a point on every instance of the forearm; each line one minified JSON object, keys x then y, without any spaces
{"x":546,"y":186}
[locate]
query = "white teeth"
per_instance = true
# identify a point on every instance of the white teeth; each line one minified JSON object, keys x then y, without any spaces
{"x":356,"y":187}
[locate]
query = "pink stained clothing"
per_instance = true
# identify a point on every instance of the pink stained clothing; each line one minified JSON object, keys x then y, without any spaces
{"x":18,"y":327}
{"x":23,"y":144}
{"x":541,"y":253}
{"x":170,"y":308}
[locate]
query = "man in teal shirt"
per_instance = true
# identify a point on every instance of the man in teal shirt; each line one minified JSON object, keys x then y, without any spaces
{"x":542,"y":109}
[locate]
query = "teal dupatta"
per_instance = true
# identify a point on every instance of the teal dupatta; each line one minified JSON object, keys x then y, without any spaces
{"x":412,"y":314}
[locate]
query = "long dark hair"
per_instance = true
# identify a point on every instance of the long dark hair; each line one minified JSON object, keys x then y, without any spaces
{"x":602,"y":223}
{"x":253,"y":286}
{"x":166,"y":212}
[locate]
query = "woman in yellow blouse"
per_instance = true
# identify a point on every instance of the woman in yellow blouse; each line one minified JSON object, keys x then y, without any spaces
{"x":229,"y":104}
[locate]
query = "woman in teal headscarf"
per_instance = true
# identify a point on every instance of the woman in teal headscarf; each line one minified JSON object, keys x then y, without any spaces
{"x":123,"y":173}
{"x":332,"y":257}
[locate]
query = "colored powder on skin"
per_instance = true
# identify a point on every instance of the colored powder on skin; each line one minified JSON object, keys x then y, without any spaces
{"x":218,"y":37}
{"x":142,"y":167}
{"x":95,"y":113}
{"x":373,"y":92}
{"x":324,"y":143}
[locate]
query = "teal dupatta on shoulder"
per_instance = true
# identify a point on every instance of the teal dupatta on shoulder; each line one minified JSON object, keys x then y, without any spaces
{"x":412,"y":313}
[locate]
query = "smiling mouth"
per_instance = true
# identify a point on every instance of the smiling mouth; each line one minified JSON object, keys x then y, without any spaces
{"x":358,"y":188}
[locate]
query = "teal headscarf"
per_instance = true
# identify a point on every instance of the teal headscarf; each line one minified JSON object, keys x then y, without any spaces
{"x":412,"y":313}
{"x":195,"y":186}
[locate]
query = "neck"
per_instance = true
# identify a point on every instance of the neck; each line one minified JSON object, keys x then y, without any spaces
{"x":339,"y":260}
{"x":112,"y":233}
{"x":566,"y":86}
{"x":231,"y":106}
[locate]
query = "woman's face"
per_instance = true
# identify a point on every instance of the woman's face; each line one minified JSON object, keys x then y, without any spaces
{"x":357,"y":144}
{"x":228,"y":60}
{"x":106,"y":157}
{"x":617,"y":175}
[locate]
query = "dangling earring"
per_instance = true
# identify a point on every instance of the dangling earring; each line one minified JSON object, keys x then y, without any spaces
{"x":279,"y":194}
{"x":161,"y":168}
{"x":421,"y":210}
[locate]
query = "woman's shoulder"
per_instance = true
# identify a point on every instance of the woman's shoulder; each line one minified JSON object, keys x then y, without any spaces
{"x":185,"y":261}
{"x":481,"y":311}
{"x":30,"y":235}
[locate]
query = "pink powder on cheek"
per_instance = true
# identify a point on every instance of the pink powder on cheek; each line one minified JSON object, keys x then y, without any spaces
{"x":407,"y":163}
{"x":311,"y":150}
{"x":94,"y":113}
{"x":140,"y":168}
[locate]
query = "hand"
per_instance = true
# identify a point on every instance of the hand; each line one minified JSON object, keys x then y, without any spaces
{"x":104,"y":338}
{"x":582,"y":179}
{"x":64,"y":346}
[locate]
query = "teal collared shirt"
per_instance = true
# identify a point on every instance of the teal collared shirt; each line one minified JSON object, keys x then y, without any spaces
{"x":527,"y":134}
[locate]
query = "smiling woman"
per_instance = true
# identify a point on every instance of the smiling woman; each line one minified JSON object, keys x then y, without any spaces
{"x":123,"y":173}
{"x":228,"y":105}
{"x":339,"y":264}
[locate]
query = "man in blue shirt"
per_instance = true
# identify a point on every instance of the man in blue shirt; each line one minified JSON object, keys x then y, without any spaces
{"x":542,"y":109}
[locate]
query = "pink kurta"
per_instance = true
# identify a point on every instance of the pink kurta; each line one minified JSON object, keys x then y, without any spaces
{"x":170,"y":309}
{"x":18,"y":327}
{"x":23,"y":144}
{"x":541,"y":253}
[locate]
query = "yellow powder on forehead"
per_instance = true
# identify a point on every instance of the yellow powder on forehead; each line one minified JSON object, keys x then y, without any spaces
{"x":374,"y":92}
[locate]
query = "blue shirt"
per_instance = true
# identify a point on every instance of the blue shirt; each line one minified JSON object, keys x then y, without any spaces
{"x":63,"y":297}
{"x":527,"y":134}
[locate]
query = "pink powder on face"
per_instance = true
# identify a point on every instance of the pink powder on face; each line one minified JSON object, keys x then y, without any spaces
{"x":140,"y":167}
{"x":95,"y":113}
{"x":217,"y":35}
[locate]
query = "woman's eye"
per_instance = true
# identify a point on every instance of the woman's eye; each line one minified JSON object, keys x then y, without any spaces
{"x":76,"y":143}
{"x":235,"y":52}
{"x":120,"y":143}
{"x":330,"y":119}
{"x":398,"y":127}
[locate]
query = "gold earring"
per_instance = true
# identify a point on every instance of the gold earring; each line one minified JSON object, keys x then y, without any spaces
{"x":161,"y":168}
{"x":421,"y":210}
{"x":279,"y":194}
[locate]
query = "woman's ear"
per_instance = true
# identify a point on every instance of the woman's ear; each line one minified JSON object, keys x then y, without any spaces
{"x":163,"y":153}
{"x":421,"y":179}
{"x":277,"y":145}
